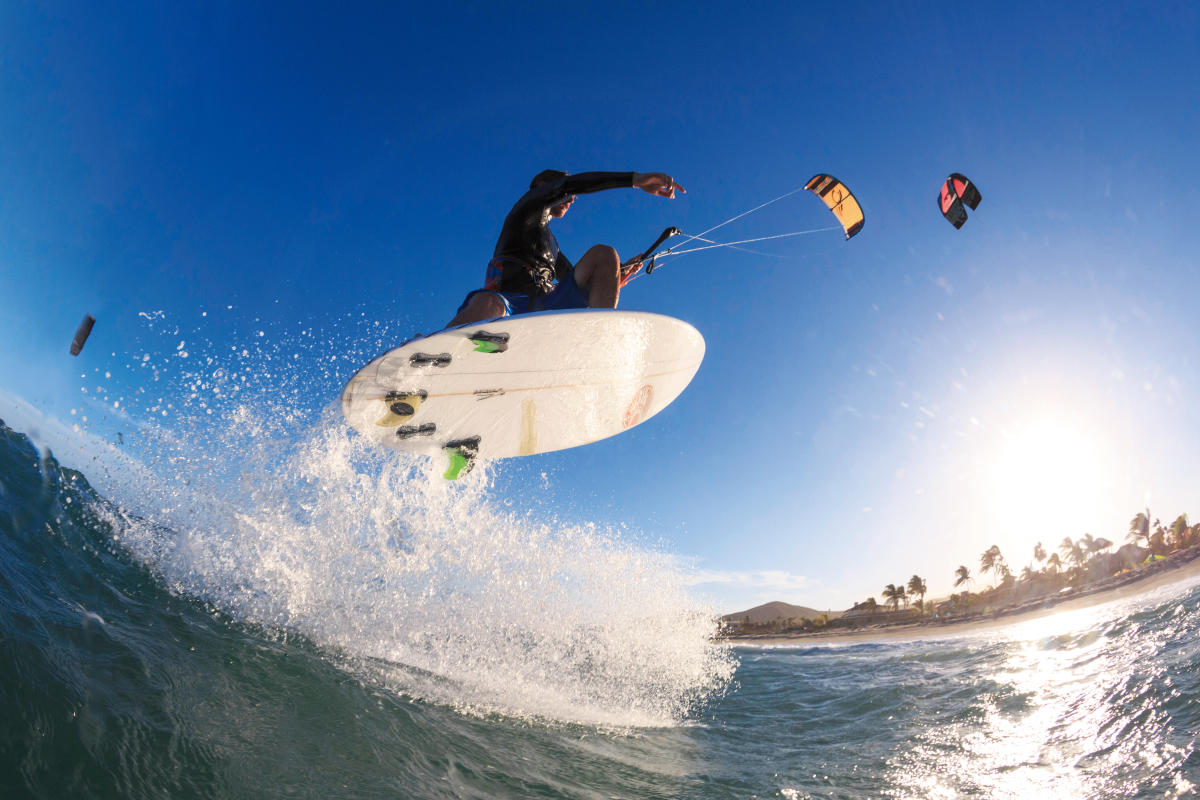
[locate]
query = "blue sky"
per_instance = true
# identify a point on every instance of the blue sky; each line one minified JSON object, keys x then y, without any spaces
{"x":322,"y":182}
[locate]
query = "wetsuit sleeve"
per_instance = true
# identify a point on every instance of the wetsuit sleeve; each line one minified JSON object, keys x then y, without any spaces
{"x":588,"y":182}
{"x":537,"y":200}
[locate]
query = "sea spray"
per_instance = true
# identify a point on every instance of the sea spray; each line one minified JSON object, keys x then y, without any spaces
{"x":264,"y":504}
{"x":116,"y":688}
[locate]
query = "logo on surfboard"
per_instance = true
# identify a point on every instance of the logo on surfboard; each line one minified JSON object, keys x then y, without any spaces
{"x":638,"y":406}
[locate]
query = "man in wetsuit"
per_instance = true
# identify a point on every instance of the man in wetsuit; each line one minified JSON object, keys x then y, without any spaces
{"x":529,"y":273}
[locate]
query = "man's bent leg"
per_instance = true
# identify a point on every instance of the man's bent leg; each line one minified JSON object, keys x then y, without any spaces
{"x":481,"y":305}
{"x":598,"y":273}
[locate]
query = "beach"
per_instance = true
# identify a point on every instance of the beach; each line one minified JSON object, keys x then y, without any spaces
{"x":1185,"y":574}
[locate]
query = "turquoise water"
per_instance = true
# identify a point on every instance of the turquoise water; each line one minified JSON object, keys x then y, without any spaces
{"x":209,"y":643}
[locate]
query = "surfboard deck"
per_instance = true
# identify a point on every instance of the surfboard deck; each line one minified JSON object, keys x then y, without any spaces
{"x":516,"y":386}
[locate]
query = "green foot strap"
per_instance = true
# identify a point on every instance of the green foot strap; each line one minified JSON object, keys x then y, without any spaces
{"x":462,"y":453}
{"x":489,"y":342}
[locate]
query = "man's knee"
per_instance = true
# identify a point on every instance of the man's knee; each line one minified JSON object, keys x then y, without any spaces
{"x":487,"y":304}
{"x":481,"y":306}
{"x":605,"y":255}
{"x":600,"y":261}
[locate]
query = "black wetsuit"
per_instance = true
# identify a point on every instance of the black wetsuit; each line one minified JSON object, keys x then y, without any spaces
{"x":527,"y":252}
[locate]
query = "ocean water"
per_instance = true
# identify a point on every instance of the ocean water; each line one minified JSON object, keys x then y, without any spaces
{"x":426,"y":645}
{"x":237,"y":597}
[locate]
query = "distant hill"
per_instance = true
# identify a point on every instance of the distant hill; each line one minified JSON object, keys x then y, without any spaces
{"x":769,"y":612}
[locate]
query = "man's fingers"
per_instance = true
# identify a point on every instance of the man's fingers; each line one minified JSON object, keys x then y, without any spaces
{"x":670,"y":189}
{"x":661,"y":184}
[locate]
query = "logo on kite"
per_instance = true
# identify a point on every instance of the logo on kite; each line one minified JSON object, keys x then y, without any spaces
{"x":841,"y":202}
{"x":957,"y":192}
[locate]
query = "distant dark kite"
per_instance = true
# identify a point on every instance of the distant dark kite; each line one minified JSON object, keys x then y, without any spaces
{"x":82,"y":333}
{"x":957,"y":192}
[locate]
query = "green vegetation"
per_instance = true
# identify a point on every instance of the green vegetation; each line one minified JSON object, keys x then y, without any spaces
{"x":1078,"y":563}
{"x":1075,"y":565}
{"x":895,"y":596}
{"x":916,"y":585}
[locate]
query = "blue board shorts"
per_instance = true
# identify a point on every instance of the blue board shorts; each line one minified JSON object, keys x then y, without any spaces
{"x":566,"y":294}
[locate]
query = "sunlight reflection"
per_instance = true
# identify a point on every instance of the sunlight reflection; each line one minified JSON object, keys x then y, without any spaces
{"x":1072,"y":707}
{"x":1057,"y":624}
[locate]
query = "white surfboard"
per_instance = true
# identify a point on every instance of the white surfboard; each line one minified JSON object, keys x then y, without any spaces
{"x":521,"y":385}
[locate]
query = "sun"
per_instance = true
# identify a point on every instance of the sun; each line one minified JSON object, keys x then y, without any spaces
{"x":1043,"y":480}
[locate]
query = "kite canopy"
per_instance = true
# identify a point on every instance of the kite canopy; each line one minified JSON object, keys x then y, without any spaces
{"x":82,"y":333}
{"x":839,"y":200}
{"x":957,"y":192}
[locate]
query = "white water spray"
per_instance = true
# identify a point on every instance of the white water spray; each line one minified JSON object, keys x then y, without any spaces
{"x":302,"y":526}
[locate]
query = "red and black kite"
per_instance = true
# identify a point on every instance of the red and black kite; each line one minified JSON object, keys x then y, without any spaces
{"x":957,"y":192}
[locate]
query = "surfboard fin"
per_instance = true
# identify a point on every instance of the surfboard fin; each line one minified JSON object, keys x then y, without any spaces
{"x":401,"y":407}
{"x":489,"y":342}
{"x":462,"y":453}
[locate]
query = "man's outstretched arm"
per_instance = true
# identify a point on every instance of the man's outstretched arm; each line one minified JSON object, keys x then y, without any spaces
{"x":657,"y":183}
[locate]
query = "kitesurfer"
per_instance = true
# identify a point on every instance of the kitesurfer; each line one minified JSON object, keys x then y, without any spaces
{"x":528,"y":271}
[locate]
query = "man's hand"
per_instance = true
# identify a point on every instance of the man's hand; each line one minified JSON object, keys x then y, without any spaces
{"x":659,"y":183}
{"x":629,"y":271}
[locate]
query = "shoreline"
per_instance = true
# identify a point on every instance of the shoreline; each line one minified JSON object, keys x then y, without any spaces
{"x":1035,"y":609}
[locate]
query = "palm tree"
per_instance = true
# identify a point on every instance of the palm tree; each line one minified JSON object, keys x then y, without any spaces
{"x":894,"y":595}
{"x":1139,"y":528}
{"x":962,"y":575}
{"x":1092,"y":546}
{"x":916,"y":585}
{"x":1072,"y":551}
{"x":992,"y":561}
{"x":1158,"y":540}
{"x":1053,"y":563}
{"x":870,"y":605}
{"x":1027,"y":574}
{"x":1180,"y":532}
{"x":1039,"y":553}
{"x":1076,"y":554}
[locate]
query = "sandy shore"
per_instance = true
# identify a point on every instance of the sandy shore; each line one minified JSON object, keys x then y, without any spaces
{"x":1184,"y":575}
